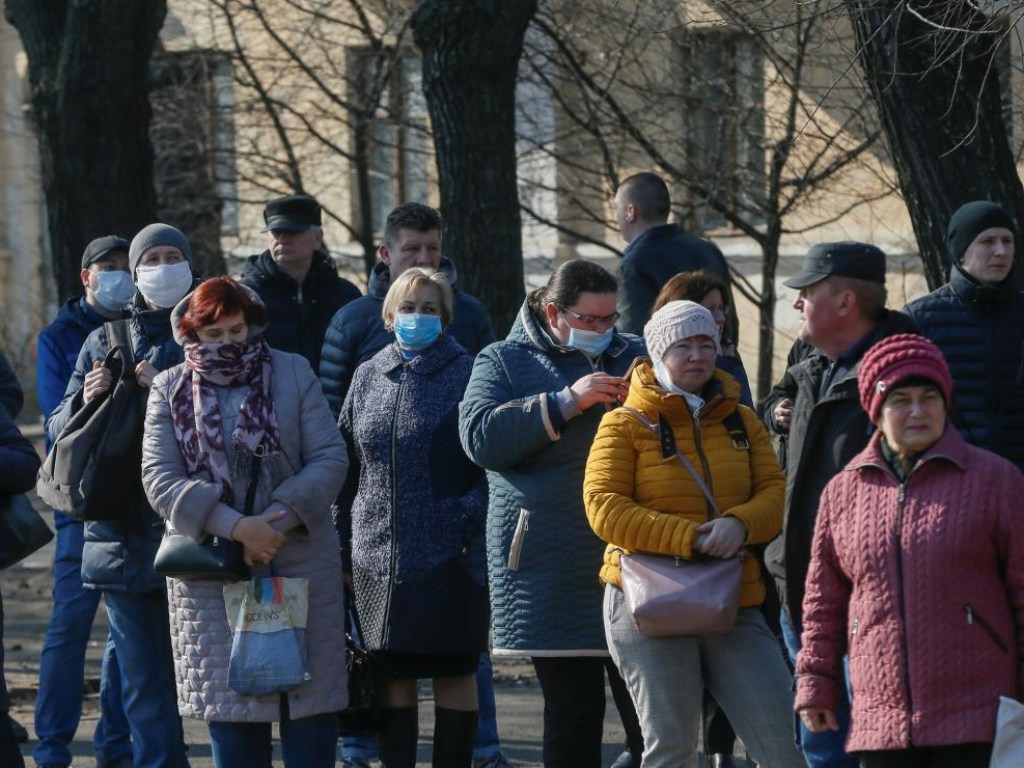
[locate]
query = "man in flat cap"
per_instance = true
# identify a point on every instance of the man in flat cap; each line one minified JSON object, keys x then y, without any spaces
{"x":977,"y":320}
{"x":108,"y":287}
{"x":841,"y":302}
{"x":296,"y":278}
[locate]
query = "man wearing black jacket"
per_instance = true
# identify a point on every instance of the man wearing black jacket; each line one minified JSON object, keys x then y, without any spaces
{"x":296,"y":278}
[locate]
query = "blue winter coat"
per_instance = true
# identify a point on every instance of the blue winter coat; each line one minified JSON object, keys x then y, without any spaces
{"x":357,"y":331}
{"x":299,"y":314}
{"x":119,"y":556}
{"x":19,"y":461}
{"x":411,"y":516}
{"x":980,"y":330}
{"x":550,"y":603}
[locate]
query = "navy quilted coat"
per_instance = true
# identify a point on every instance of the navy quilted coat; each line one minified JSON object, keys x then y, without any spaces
{"x":549,"y":603}
{"x":980,"y":330}
{"x":411,"y":516}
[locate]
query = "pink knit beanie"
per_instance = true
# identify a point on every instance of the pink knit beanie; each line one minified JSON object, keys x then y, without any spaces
{"x":898,"y":358}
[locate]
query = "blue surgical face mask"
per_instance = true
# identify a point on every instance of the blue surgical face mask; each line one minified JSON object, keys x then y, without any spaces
{"x":415,"y":331}
{"x":590,"y":343}
{"x":113,"y":289}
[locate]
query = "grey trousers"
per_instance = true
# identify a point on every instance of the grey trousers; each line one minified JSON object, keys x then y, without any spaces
{"x":743,"y":669}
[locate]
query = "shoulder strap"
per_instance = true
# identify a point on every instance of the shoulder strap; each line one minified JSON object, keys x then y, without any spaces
{"x":679,"y":455}
{"x":737,"y":430}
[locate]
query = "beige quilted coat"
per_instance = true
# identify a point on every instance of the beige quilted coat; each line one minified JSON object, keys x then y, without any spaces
{"x":306,"y":477}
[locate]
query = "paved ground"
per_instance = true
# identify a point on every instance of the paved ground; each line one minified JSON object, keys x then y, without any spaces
{"x":26,"y":594}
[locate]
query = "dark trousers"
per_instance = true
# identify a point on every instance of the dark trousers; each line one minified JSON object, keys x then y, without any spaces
{"x":973,"y":755}
{"x":573,"y":688}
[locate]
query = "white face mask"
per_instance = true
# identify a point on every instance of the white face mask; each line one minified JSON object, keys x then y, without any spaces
{"x":165,"y":285}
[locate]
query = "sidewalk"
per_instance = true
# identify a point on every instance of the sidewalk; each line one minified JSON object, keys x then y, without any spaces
{"x":26,"y":594}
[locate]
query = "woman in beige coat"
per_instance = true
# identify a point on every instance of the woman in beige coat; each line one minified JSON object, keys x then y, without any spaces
{"x":207,"y":417}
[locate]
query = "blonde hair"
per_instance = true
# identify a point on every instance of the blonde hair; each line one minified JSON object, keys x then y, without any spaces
{"x":409,"y":281}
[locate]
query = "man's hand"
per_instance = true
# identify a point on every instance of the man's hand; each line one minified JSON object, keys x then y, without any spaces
{"x":145,"y":372}
{"x":599,"y":387}
{"x":783,"y":414}
{"x":97,"y":381}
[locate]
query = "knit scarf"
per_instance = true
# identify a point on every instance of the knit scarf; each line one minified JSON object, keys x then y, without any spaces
{"x":198,"y":425}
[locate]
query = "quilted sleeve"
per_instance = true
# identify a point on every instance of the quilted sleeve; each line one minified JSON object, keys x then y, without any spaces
{"x":609,"y":495}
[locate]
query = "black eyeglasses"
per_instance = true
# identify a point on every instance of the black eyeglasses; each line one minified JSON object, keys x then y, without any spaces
{"x":594,"y":319}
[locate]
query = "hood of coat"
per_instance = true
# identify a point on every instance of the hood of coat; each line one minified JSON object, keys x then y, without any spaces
{"x":182,"y":307}
{"x":526,"y":330}
{"x":431,"y":359}
{"x":380,"y":277}
{"x":721,"y":395}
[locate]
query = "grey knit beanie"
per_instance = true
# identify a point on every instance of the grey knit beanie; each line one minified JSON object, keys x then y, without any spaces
{"x":153,"y":235}
{"x":679,"y":320}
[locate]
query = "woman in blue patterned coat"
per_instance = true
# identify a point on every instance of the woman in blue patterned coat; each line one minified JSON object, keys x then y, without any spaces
{"x":411,"y":521}
{"x":529,"y":416}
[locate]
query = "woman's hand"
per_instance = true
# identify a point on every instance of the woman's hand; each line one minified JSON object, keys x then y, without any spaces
{"x":258,"y":536}
{"x":97,"y":381}
{"x":819,"y":720}
{"x":599,"y":387}
{"x":721,"y":537}
{"x":145,"y":372}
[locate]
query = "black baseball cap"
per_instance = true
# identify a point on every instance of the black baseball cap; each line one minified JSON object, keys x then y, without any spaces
{"x":294,"y":213}
{"x":847,"y":259}
{"x":101,"y":246}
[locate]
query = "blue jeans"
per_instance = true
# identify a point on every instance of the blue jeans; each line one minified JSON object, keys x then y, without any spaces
{"x":308,"y":742}
{"x":62,"y":665}
{"x":140,"y":629}
{"x":742,"y":668}
{"x":486,"y":745}
{"x":827,"y":748}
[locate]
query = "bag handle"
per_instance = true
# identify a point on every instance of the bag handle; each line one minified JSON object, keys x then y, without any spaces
{"x":682,"y":459}
{"x":120,"y":338}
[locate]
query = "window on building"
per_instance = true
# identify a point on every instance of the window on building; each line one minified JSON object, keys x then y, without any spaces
{"x":388,"y":86}
{"x":723,"y":120}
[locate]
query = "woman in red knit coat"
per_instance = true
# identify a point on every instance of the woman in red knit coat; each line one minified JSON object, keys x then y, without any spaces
{"x":917,"y":574}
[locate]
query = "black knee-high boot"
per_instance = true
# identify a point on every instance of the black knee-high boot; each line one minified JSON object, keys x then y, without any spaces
{"x":454,"y":732}
{"x":396,"y":744}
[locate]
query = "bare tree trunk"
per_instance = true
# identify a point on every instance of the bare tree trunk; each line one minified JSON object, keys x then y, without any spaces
{"x":471,"y":51}
{"x":933,"y":76}
{"x":89,"y":70}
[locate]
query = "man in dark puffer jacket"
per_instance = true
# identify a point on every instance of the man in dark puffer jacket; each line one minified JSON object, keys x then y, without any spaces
{"x":977,"y":320}
{"x":296,"y":279}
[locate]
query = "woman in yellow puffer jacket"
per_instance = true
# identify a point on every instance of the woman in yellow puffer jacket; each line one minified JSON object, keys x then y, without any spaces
{"x":638,"y":501}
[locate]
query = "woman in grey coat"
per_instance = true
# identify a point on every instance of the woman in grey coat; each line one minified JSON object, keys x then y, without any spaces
{"x":206,"y":419}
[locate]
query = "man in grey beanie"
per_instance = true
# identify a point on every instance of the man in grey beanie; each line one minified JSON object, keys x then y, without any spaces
{"x":977,"y":320}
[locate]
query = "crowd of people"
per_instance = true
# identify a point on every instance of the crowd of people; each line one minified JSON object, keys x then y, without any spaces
{"x":456,"y":497}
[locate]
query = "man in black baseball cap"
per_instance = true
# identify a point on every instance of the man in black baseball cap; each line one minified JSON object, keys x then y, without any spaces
{"x":841,"y":302}
{"x":296,"y":278}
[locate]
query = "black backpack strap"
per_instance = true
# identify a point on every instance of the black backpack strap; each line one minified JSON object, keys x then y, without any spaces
{"x":737,"y":431}
{"x":119,"y":336}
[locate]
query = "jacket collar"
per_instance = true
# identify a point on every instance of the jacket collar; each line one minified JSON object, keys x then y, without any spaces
{"x":657,"y":232}
{"x":321,"y":267}
{"x":721,"y":395}
{"x":431,"y":359}
{"x":950,"y":447}
{"x":973,"y":293}
{"x":380,"y":277}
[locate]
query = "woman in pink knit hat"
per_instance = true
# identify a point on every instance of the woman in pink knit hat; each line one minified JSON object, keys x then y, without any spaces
{"x":917,"y":575}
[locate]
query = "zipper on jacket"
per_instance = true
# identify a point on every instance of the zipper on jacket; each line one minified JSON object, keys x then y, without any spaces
{"x":394,"y":505}
{"x":975,"y":617}
{"x":516,"y":548}
{"x":902,"y":601}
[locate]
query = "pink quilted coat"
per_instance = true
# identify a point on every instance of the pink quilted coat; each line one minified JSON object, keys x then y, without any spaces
{"x":923,"y":586}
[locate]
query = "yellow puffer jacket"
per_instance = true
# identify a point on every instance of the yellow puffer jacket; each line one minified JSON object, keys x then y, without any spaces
{"x":638,"y":501}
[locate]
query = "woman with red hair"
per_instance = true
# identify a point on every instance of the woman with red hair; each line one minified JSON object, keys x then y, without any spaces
{"x":234,"y":399}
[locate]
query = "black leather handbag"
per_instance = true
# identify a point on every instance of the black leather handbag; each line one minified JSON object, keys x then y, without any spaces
{"x":212,"y":559}
{"x":22,"y":529}
{"x":362,"y":716}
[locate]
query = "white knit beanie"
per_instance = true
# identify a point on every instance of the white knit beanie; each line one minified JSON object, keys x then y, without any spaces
{"x":675,"y":321}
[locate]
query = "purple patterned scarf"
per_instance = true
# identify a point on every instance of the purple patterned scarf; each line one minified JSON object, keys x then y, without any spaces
{"x":198,"y":425}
